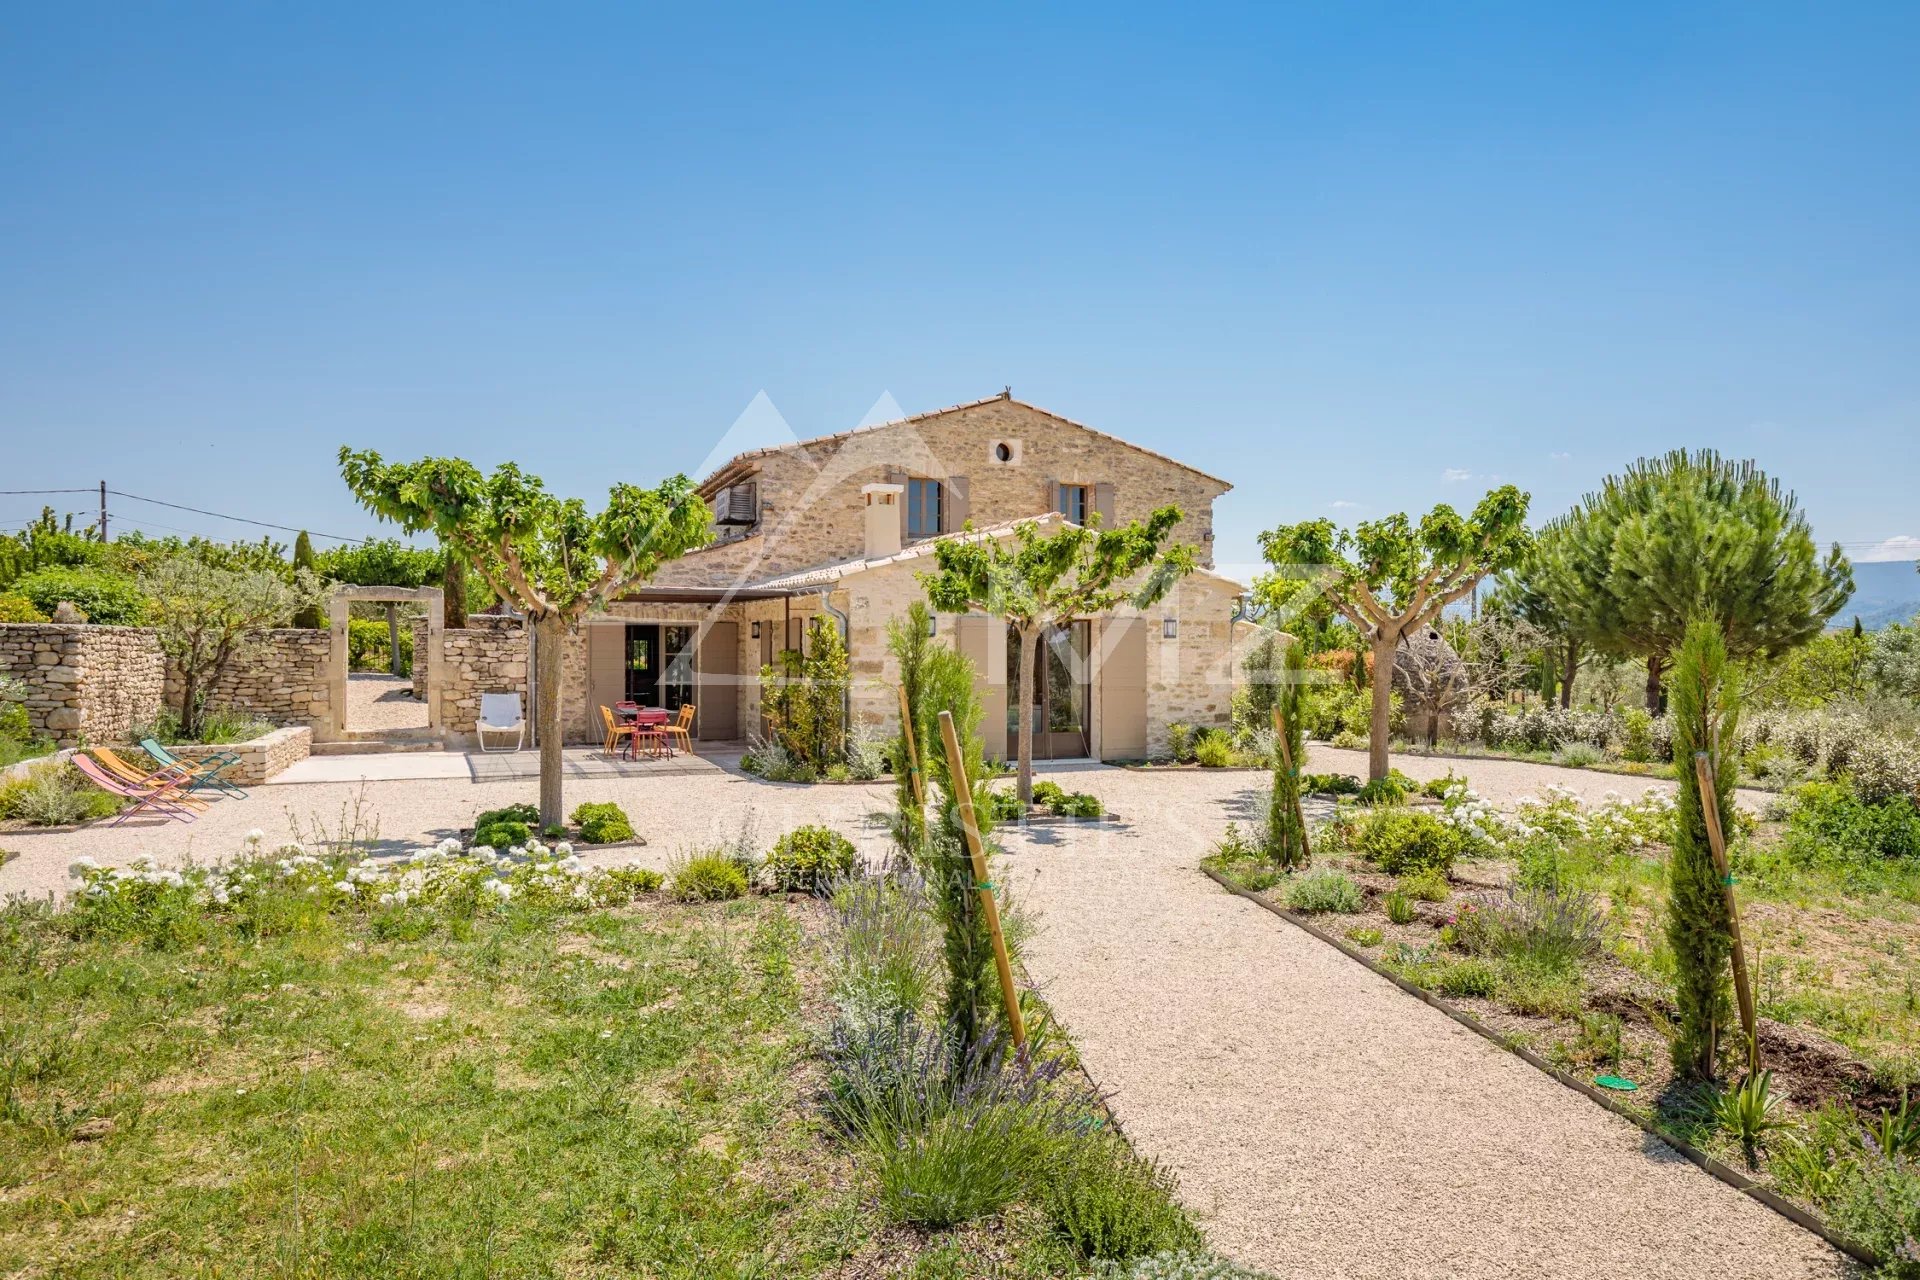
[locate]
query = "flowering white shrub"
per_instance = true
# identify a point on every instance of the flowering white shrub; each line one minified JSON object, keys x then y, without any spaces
{"x":290,"y":880}
{"x":1615,"y":825}
{"x":1481,"y":826}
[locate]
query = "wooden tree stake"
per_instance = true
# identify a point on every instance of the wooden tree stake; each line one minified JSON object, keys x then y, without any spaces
{"x":913,"y":750}
{"x":1286,"y":761}
{"x":989,"y":905}
{"x":1717,"y":841}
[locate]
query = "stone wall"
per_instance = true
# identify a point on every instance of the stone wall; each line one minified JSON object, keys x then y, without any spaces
{"x":816,"y":515}
{"x":283,"y":679}
{"x":85,"y":684}
{"x":1190,"y":677}
{"x":259,"y":759}
{"x":489,"y":658}
{"x":581,"y":712}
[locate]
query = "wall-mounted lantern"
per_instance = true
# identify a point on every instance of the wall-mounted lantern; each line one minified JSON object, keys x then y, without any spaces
{"x":1170,"y":628}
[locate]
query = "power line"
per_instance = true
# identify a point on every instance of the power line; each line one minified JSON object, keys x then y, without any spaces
{"x":220,"y":515}
{"x":199,"y":511}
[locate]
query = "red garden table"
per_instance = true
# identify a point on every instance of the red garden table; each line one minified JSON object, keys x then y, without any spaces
{"x":649,"y":723}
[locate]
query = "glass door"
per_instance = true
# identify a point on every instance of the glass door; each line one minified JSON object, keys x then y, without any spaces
{"x":660,"y":665}
{"x":677,"y":651}
{"x":643,"y":664}
{"x":1059,"y":698}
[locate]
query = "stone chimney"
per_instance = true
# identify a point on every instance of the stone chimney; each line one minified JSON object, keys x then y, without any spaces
{"x":884,"y":518}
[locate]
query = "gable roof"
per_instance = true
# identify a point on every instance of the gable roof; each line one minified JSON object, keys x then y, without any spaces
{"x":727,"y":469}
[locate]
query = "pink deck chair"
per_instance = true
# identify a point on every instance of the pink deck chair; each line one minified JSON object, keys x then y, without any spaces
{"x":161,"y":799}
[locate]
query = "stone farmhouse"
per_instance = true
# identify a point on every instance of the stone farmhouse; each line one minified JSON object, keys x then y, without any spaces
{"x":843,"y":524}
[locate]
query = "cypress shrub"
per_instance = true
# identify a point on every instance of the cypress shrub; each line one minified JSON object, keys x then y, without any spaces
{"x":1286,"y":833}
{"x":939,"y":678}
{"x":308,"y":615}
{"x":1704,"y":699}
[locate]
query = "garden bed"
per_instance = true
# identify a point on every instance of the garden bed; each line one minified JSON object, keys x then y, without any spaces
{"x":1554,"y":944}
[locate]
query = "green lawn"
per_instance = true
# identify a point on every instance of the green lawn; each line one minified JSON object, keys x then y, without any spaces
{"x":523,"y":1092}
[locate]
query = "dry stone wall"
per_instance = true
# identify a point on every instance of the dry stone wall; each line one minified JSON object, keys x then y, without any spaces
{"x":488,"y":658}
{"x":85,"y":684}
{"x":283,"y":679}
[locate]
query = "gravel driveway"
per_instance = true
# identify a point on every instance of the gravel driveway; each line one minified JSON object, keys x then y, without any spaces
{"x":1322,"y":1122}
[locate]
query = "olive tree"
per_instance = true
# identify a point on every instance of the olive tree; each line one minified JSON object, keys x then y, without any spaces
{"x":1390,"y":578}
{"x":547,"y":555}
{"x":1037,"y":580}
{"x":207,"y":618}
{"x":1692,"y":534}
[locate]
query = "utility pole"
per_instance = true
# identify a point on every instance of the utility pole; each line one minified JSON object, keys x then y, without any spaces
{"x":103,"y":511}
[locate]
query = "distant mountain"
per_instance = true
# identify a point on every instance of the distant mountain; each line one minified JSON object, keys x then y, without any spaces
{"x":1883,"y":593}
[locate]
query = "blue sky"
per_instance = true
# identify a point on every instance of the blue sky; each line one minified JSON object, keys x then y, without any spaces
{"x":1377,"y":255}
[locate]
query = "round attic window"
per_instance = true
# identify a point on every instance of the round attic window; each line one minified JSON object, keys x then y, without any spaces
{"x":1003,"y":452}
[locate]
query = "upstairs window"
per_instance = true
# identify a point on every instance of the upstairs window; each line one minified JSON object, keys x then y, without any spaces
{"x":923,"y":508}
{"x":1072,"y":502}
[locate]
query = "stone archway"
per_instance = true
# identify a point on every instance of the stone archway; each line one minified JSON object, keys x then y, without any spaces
{"x":433,"y":598}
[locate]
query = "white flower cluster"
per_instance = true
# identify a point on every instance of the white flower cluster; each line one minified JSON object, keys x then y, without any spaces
{"x":444,"y":871}
{"x":1465,"y":810}
{"x":100,"y":882}
{"x":1617,"y":823}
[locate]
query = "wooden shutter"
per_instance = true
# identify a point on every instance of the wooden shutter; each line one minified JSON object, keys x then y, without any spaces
{"x":1103,"y":503}
{"x":1123,"y":689}
{"x":1055,"y":502}
{"x":717,"y":688}
{"x":955,"y":506}
{"x":606,"y":668}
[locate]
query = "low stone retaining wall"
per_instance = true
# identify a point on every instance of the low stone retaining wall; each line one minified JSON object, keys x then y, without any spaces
{"x":261,"y":758}
{"x":21,"y":768}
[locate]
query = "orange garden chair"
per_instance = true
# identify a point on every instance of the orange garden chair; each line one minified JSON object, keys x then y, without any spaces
{"x":615,"y":730}
{"x":682,"y":729}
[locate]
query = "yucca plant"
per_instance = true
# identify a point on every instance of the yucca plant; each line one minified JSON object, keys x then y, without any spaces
{"x":1749,"y":1112}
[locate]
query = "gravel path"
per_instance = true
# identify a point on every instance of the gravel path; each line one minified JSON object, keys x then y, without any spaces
{"x":376,"y":703}
{"x":1322,"y":1122}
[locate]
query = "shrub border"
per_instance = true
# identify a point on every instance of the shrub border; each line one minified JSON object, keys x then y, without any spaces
{"x":1725,"y":1173}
